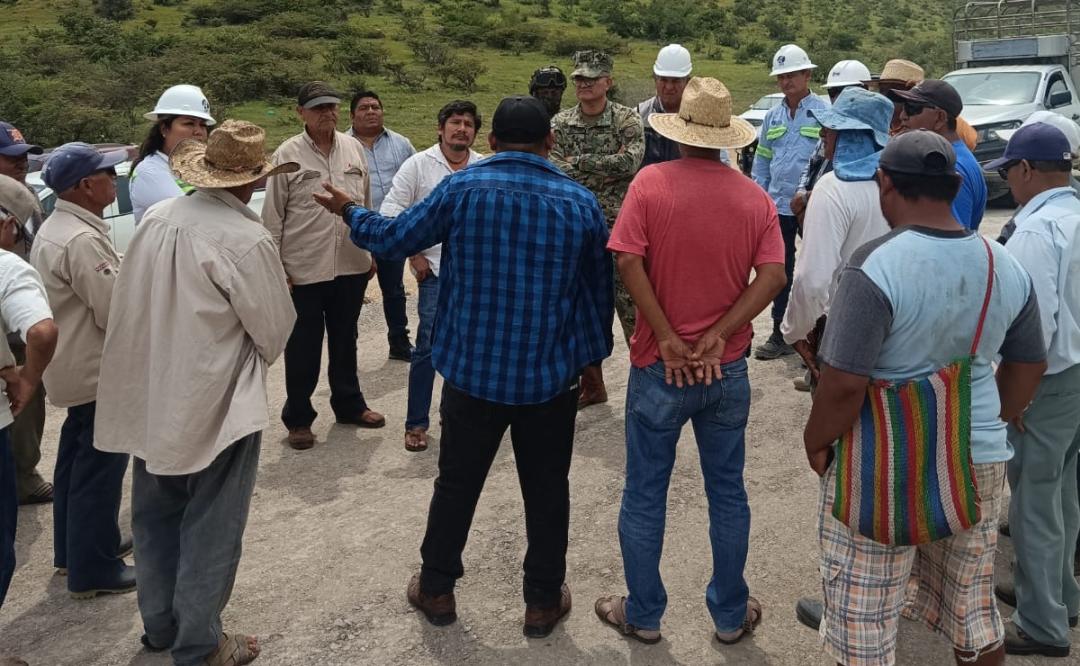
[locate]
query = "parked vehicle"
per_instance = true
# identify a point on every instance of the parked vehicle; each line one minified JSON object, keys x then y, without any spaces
{"x":755,"y":115}
{"x":118,"y":215}
{"x":1014,"y":57}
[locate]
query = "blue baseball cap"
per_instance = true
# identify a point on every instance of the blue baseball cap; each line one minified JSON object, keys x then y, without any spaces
{"x":1038,"y":142}
{"x":72,"y":162}
{"x":12,"y":143}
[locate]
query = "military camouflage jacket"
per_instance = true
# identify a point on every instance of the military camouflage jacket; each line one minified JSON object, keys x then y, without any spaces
{"x":603,"y":154}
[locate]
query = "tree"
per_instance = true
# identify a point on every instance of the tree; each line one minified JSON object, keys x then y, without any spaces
{"x":114,"y":10}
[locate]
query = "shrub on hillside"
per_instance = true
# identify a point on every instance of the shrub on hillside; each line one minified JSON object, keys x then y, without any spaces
{"x":401,"y":75}
{"x":462,"y":72}
{"x":752,"y":51}
{"x":114,"y":10}
{"x":510,"y":31}
{"x":565,"y":43}
{"x":352,"y":55}
{"x":300,"y":24}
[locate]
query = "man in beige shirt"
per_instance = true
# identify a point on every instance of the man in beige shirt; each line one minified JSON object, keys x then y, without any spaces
{"x":78,"y":266}
{"x":327,"y":273}
{"x":203,"y":302}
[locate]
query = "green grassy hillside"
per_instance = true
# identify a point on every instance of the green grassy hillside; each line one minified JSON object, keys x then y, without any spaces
{"x":68,"y":73}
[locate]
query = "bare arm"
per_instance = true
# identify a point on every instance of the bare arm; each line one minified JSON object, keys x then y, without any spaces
{"x":1017,"y":383}
{"x":22,"y":382}
{"x":837,"y":402}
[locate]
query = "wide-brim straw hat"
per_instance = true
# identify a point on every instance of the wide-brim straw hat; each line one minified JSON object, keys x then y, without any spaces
{"x":899,"y":71}
{"x":704,"y":119}
{"x":233,"y":155}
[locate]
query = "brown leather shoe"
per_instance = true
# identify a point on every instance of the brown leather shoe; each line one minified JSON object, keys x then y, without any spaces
{"x":440,"y":610}
{"x":593,"y":391}
{"x":540,"y":622}
{"x":301,"y":439}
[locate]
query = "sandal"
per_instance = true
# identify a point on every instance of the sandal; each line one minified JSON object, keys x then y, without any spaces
{"x":234,"y":650}
{"x":750,"y":622}
{"x":612,"y":611}
{"x":416,"y":440}
{"x":368,"y":418}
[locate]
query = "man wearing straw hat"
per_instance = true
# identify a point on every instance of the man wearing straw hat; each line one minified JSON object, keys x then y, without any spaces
{"x":203,"y":301}
{"x":689,"y":351}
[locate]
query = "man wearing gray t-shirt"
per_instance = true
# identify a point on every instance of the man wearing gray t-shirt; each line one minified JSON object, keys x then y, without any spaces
{"x":908,"y":304}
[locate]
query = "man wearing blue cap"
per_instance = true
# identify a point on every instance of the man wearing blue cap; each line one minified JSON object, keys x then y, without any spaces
{"x":30,"y":423}
{"x":78,"y":266}
{"x":1044,"y":517}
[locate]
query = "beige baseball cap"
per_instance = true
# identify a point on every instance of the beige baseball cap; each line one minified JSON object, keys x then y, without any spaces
{"x":17,"y":199}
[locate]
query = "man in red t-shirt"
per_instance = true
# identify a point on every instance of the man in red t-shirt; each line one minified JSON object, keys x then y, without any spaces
{"x":689,"y":235}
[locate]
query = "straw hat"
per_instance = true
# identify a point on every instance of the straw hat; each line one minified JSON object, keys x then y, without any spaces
{"x":900,"y":71}
{"x":704,"y":119}
{"x":234,"y":155}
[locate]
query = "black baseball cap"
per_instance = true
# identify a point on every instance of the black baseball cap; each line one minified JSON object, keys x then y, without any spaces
{"x":315,"y":93}
{"x":932,"y":92}
{"x":919,"y":153}
{"x":520,"y":119}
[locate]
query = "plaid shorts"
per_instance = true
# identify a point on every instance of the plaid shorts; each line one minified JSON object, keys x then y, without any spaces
{"x":948,"y":585}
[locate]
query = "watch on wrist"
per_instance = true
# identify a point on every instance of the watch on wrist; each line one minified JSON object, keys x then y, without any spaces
{"x":347,"y":207}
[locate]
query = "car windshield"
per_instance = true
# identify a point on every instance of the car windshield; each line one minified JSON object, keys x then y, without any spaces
{"x":766,"y":103}
{"x":996,"y":88}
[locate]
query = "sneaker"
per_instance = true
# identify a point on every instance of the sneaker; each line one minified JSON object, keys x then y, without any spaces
{"x":774,"y":347}
{"x":802,"y":383}
{"x":540,"y":622}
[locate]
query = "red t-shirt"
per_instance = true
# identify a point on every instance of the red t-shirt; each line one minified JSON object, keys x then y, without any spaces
{"x":701,"y":227}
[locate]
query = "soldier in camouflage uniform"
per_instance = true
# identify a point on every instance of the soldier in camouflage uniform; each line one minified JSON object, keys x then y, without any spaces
{"x":599,"y":144}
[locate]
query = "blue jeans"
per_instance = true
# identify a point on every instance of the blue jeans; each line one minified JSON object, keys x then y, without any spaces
{"x":86,"y":504}
{"x":9,"y":513}
{"x":655,"y":415}
{"x":421,"y":372}
{"x":188,"y":533}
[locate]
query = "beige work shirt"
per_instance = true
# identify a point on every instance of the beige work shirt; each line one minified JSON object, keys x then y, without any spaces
{"x":313,"y":243}
{"x":201,"y":311}
{"x":78,"y":266}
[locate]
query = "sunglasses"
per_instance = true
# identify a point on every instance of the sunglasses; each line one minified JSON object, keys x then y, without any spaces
{"x":582,"y":82}
{"x":913,"y":109}
{"x":1005,"y":168}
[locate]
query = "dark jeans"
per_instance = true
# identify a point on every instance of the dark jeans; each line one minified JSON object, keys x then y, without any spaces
{"x":25,"y":433}
{"x":188,"y":533}
{"x":392,"y":285}
{"x":333,"y":306}
{"x":86,"y":504}
{"x":789,"y":229}
{"x":543,"y":440}
{"x":9,"y":514}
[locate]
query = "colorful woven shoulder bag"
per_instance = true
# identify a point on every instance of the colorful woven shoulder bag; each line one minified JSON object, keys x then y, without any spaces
{"x":904,"y":474}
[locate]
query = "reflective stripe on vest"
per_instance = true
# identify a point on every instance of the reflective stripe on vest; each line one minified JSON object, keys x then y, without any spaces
{"x":811,"y":132}
{"x":764,"y":152}
{"x":775,"y":133}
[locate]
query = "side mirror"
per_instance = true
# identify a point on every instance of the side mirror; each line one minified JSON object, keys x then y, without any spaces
{"x":1061,"y":98}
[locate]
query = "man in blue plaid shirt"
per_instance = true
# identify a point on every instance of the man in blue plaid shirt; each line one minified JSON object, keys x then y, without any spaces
{"x":525,"y":303}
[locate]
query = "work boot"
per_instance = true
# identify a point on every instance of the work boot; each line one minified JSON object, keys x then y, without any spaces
{"x":123,"y":583}
{"x":1017,"y":642}
{"x":401,"y":349}
{"x":774,"y":347}
{"x":593,"y":391}
{"x":540,"y":622}
{"x":440,"y":610}
{"x":301,"y":439}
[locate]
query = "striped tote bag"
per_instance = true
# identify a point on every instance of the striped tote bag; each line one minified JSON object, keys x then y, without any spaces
{"x":904,"y":474}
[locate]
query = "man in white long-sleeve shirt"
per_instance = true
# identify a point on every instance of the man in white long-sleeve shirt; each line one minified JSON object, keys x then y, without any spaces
{"x":459,"y":121}
{"x":843,"y":214}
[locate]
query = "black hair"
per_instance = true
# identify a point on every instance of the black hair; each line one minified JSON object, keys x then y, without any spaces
{"x":533,"y":147}
{"x":1051,"y":166}
{"x":361,"y":95}
{"x":936,"y":188}
{"x":155,"y":139}
{"x":459,"y":107}
{"x":951,"y":122}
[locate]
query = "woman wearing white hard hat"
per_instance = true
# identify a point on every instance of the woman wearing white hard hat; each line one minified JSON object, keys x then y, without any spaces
{"x":182,"y":112}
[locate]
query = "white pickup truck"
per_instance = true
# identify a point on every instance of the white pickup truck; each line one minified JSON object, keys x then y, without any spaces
{"x":1000,"y":98}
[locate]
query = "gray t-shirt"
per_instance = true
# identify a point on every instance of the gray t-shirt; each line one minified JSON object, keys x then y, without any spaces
{"x":908,"y":304}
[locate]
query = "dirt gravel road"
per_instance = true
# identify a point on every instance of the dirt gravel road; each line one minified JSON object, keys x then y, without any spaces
{"x":334,"y":535}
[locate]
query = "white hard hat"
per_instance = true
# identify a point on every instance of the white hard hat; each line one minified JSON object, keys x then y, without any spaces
{"x":673,"y":60}
{"x":1067,"y":126}
{"x":790,"y":58}
{"x":182,"y":100}
{"x":847,"y":73}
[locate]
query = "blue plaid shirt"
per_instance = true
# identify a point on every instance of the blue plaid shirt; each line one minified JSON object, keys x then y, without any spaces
{"x":526,"y":298}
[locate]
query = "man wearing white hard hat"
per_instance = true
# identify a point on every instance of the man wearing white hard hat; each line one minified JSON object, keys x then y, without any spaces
{"x":671,"y":72}
{"x":789,"y":135}
{"x":182,"y":112}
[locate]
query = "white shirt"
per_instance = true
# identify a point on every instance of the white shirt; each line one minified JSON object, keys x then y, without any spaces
{"x":1045,"y":243}
{"x":840,"y":217}
{"x":417,"y":177}
{"x":153,"y":181}
{"x":200,"y":311}
{"x":23,"y":304}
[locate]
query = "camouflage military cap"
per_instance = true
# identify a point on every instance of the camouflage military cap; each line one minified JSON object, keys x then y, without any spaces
{"x":592,"y":64}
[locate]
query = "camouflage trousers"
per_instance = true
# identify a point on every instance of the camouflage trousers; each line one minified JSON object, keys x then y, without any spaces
{"x":624,"y":307}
